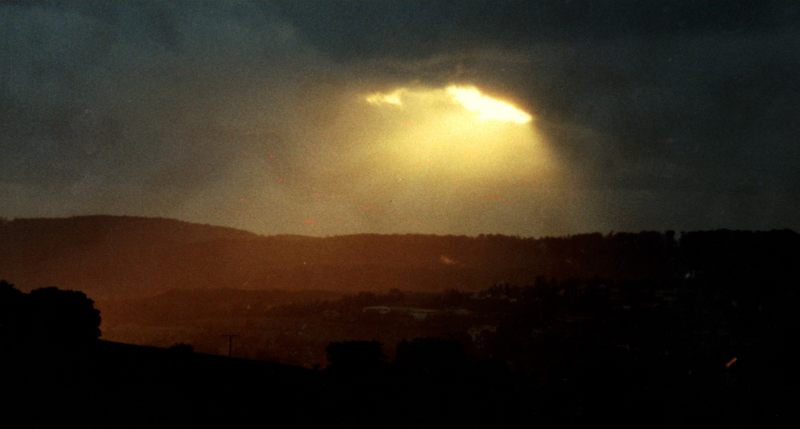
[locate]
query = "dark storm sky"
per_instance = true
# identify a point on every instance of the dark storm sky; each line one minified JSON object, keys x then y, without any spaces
{"x":660,"y":114}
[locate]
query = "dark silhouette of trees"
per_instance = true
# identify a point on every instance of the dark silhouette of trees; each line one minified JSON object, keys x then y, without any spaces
{"x":47,"y":318}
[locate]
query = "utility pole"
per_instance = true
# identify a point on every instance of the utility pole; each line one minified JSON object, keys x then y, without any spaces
{"x":230,"y":338}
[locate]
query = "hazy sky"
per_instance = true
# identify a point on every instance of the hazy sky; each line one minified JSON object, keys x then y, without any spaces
{"x":646,"y":114}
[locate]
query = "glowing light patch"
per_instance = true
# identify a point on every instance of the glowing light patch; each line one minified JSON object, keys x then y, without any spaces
{"x":449,"y":134}
{"x":487,"y":108}
{"x":469,"y":98}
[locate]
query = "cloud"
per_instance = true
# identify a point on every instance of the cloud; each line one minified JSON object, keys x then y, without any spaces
{"x":420,"y":28}
{"x":126,"y":90}
{"x":237,"y":112}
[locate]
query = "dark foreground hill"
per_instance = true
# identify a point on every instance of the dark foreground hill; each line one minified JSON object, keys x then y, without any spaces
{"x":109,"y":256}
{"x":118,"y":385}
{"x":123,"y":386}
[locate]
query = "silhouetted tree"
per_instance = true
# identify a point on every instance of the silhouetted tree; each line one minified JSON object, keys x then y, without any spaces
{"x":62,"y":317}
{"x":48,"y":317}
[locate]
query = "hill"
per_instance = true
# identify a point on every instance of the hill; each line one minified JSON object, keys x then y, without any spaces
{"x":109,"y":256}
{"x":101,"y":254}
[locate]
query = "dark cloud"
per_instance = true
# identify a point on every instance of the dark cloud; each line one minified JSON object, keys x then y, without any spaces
{"x":663,"y":114}
{"x":409,"y":29}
